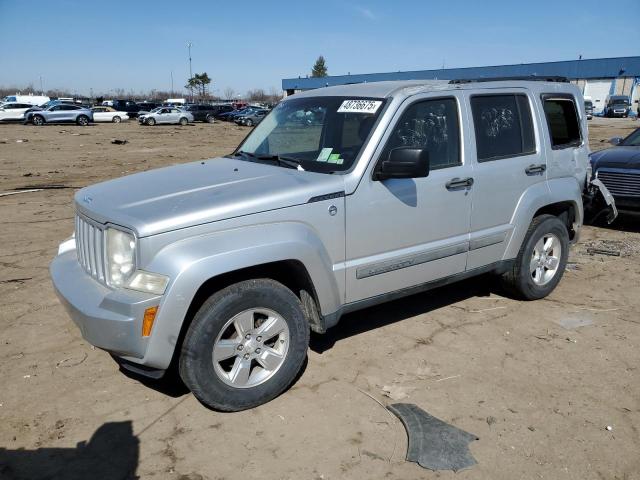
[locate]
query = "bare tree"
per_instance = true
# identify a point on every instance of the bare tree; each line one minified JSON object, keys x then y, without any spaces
{"x":228,"y":93}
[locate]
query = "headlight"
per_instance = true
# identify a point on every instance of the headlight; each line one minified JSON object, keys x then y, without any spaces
{"x":121,"y":257}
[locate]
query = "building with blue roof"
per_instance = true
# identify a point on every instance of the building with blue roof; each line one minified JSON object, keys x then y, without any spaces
{"x":597,"y":77}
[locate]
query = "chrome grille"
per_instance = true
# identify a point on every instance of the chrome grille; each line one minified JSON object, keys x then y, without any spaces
{"x":90,"y":248}
{"x":621,"y":182}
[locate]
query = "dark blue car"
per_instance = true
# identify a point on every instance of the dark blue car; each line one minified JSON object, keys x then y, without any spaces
{"x":619,"y":169}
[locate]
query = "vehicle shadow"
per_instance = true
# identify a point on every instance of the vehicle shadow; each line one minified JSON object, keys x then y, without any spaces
{"x":388,"y":313}
{"x":626,"y":222}
{"x":112,"y":453}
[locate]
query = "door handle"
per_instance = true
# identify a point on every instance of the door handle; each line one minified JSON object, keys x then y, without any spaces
{"x":535,"y":169}
{"x":459,"y":183}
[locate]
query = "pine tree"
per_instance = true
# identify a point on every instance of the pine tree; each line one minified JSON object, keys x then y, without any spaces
{"x":319,"y":68}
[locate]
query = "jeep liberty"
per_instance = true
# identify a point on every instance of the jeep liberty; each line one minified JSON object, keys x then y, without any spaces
{"x":341,"y":198}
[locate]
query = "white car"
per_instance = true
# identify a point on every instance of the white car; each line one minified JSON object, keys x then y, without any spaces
{"x":13,"y":111}
{"x":108,"y":114}
{"x":166,"y":115}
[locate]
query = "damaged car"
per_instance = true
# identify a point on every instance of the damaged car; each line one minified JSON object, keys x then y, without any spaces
{"x":618,"y":168}
{"x":222,"y":267}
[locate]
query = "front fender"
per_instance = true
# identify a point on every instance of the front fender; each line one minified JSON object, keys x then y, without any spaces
{"x":538,"y":196}
{"x":191,"y":262}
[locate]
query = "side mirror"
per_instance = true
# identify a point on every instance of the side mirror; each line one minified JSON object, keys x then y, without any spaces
{"x":404,"y":162}
{"x":615,"y":140}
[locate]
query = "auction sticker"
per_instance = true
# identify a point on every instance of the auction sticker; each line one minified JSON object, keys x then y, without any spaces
{"x":360,"y":106}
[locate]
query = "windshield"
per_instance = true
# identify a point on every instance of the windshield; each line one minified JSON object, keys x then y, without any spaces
{"x":620,"y":101}
{"x":325,"y":134}
{"x":157,"y":109}
{"x":632,"y":140}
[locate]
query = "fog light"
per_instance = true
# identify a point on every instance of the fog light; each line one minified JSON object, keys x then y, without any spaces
{"x":148,"y":319}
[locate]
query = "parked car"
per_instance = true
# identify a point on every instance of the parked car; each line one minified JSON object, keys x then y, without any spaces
{"x":129,"y":106}
{"x":588,"y":107}
{"x":108,"y":114}
{"x":231,"y":116}
{"x":60,"y":113}
{"x":227,"y":264}
{"x":619,"y":169}
{"x":11,"y":112}
{"x":252,"y":118}
{"x":223,"y":109}
{"x":165,"y":115}
{"x":206,"y":112}
{"x":29,"y":99}
{"x":617,"y":106}
{"x":146,"y":107}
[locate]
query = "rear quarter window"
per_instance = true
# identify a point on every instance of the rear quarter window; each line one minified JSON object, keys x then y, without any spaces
{"x":562,"y":120}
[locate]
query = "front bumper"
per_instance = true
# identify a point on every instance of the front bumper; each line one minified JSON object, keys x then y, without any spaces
{"x":108,"y":319}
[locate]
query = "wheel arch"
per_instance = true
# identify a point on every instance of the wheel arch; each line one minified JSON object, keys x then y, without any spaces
{"x":561,"y":197}
{"x":201,"y":266}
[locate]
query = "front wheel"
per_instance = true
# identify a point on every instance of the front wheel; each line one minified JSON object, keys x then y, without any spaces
{"x":245,"y":345}
{"x":249,"y":123}
{"x":210,"y":119}
{"x":151,"y":121}
{"x":541,"y":261}
{"x":38,"y":120}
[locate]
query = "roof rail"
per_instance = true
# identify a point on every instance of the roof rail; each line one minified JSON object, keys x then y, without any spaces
{"x":531,"y":78}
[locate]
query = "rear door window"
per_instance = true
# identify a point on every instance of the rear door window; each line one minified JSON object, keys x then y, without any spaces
{"x":503,"y":126}
{"x":562,"y":120}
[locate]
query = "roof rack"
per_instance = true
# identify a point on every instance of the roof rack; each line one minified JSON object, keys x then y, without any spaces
{"x":531,"y":78}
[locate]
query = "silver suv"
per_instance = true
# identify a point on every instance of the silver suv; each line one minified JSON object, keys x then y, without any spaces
{"x":341,"y":198}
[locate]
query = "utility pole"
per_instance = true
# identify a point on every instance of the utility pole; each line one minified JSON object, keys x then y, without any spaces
{"x":171,"y":83}
{"x":41,"y":90}
{"x":189,"y":45}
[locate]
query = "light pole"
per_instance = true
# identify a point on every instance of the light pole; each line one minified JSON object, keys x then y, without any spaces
{"x":189,"y":45}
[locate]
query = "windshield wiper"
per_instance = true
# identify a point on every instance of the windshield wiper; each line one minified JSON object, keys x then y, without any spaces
{"x":283,"y":161}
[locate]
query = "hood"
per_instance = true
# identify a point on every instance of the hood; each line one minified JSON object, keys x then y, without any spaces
{"x":617,"y":157}
{"x":200,"y":192}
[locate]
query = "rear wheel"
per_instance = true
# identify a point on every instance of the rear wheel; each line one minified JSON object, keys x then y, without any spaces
{"x":183,"y":121}
{"x":249,"y":122}
{"x":541,"y":261}
{"x":82,"y":120}
{"x":38,"y":120}
{"x":245,"y":345}
{"x":210,"y":119}
{"x":151,"y":121}
{"x":116,"y":119}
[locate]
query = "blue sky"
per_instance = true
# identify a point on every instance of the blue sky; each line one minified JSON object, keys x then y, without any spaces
{"x":244,"y":44}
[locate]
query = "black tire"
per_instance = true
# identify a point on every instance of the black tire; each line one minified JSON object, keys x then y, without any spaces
{"x":82,"y":120}
{"x":210,"y":119}
{"x":151,"y":122}
{"x":37,"y":120}
{"x":248,"y":122}
{"x":116,"y":119}
{"x":196,"y":363}
{"x":183,"y":121}
{"x":518,"y":281}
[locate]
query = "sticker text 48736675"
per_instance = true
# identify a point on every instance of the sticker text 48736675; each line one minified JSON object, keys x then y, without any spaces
{"x":360,"y":106}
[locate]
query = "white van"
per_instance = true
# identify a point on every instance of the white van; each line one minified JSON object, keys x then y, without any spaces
{"x":30,"y":99}
{"x":175,"y":101}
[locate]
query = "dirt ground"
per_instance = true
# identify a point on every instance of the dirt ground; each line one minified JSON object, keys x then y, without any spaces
{"x":539,"y":395}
